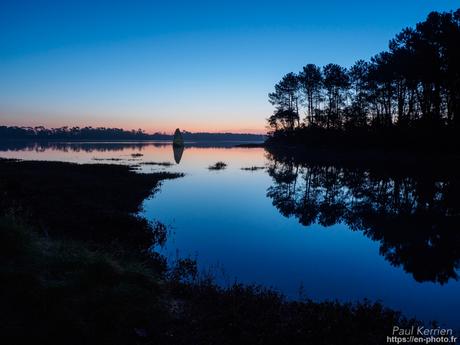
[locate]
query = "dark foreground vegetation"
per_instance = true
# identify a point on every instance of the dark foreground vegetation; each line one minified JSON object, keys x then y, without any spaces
{"x":78,"y":268}
{"x":104,"y":134}
{"x":405,"y":98}
{"x":92,"y":202}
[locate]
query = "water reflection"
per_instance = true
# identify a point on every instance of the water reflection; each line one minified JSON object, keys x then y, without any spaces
{"x":415,"y":218}
{"x":178,"y":151}
{"x":340,"y":215}
{"x":100,"y":146}
{"x":42,"y":146}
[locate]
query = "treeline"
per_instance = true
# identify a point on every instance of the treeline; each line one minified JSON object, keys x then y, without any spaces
{"x":103,"y":133}
{"x":70,"y":133}
{"x":413,"y":86}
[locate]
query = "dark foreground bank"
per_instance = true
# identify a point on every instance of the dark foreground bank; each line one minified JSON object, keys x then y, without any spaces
{"x":78,"y":268}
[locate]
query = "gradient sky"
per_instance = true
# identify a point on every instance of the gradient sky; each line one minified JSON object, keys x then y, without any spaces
{"x":158,"y":65}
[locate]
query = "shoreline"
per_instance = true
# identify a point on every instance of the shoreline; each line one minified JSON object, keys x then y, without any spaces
{"x":363,"y":156}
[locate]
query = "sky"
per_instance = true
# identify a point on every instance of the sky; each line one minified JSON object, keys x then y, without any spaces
{"x":159,"y":65}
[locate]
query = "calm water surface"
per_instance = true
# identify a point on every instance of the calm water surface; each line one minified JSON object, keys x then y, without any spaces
{"x":324,"y":232}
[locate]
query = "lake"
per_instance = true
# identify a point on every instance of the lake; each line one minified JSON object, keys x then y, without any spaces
{"x":306,"y":228}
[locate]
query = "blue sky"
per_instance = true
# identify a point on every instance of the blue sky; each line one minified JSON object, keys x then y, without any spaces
{"x":197,"y":65}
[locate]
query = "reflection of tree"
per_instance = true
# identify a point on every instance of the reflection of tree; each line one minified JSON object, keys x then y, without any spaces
{"x":95,"y":146}
{"x":416,"y":219}
{"x":42,"y":146}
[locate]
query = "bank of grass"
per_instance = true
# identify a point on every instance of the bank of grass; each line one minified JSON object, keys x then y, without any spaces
{"x":61,"y":291}
{"x":96,"y":203}
{"x":70,"y":278}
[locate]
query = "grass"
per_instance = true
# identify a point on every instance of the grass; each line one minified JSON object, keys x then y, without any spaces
{"x":243,"y":314}
{"x":252,"y":168}
{"x":61,"y":291}
{"x":164,"y":164}
{"x":218,"y":166}
{"x":107,"y":159}
{"x":94,"y":203}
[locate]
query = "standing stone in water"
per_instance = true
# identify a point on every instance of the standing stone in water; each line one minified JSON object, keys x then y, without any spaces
{"x":178,"y":139}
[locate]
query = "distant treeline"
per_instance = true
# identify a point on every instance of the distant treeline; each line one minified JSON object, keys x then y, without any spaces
{"x":414,"y":87}
{"x":102,"y":133}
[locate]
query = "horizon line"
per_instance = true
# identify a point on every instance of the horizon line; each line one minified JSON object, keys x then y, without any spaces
{"x":149,"y":132}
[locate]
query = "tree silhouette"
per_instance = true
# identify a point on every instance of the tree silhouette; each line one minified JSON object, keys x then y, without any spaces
{"x":310,"y":80}
{"x":286,"y":101}
{"x":335,"y":84}
{"x":402,"y":95}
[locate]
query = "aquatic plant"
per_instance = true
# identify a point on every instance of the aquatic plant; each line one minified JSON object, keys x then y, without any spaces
{"x":164,"y":164}
{"x":218,"y":166}
{"x":253,"y":168}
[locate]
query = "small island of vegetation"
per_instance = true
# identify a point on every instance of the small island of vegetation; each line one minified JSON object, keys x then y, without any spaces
{"x":218,"y":166}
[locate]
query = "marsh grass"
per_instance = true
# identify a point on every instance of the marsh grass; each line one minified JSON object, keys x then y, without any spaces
{"x":218,"y":166}
{"x":57,"y":288}
{"x":93,"y":202}
{"x":252,"y":168}
{"x":164,"y":164}
{"x":107,"y":159}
